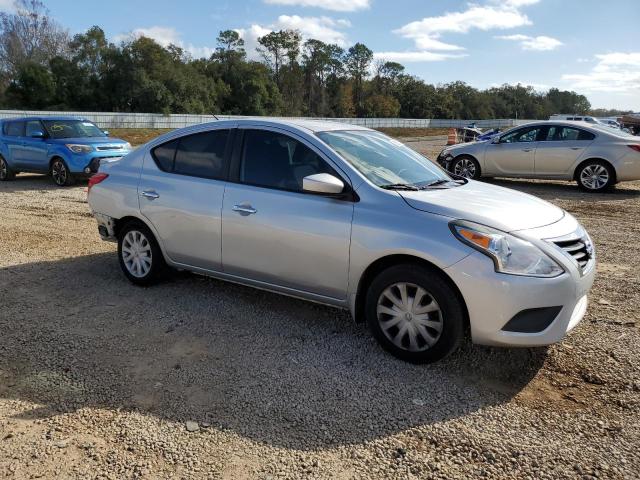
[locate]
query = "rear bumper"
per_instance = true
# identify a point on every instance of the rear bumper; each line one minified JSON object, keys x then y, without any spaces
{"x":106,"y":227}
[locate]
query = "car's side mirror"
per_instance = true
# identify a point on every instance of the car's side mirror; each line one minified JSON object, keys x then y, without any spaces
{"x":322,"y":183}
{"x":37,"y":134}
{"x":106,"y":132}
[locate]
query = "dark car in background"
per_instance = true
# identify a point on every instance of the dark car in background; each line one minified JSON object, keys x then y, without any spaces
{"x":64,"y":147}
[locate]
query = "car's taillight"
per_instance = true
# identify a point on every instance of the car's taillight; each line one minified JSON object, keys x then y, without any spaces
{"x":634,"y":147}
{"x":96,"y":179}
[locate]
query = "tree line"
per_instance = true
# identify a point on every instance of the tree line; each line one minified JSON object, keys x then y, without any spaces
{"x":43,"y":67}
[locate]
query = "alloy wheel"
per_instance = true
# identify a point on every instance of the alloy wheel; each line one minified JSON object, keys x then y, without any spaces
{"x":4,"y":171}
{"x":465,"y":167}
{"x":136,"y":253}
{"x":59,"y":173}
{"x":409,"y":317}
{"x":594,"y":177}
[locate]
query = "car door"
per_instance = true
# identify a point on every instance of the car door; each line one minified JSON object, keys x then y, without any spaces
{"x":274,"y":232}
{"x":180,"y":193}
{"x":14,"y":133}
{"x":559,"y":149}
{"x":513,"y":153}
{"x":34,"y":150}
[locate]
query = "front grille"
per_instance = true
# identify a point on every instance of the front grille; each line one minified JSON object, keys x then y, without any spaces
{"x":110,"y":147}
{"x":579,"y":249}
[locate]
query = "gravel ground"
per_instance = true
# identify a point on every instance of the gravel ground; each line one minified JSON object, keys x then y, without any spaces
{"x":196,"y":378}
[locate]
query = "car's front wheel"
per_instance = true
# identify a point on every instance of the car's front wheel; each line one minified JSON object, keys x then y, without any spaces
{"x":61,"y":174}
{"x":595,"y":176}
{"x":414,"y":313}
{"x":139,"y":254}
{"x":466,"y":167}
{"x":5,"y":172}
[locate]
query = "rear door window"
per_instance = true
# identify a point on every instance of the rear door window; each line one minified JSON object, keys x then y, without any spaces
{"x":164,"y":155}
{"x":561,"y":134}
{"x":202,"y":155}
{"x":15,"y":129}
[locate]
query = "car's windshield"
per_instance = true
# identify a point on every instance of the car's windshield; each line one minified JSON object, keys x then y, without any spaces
{"x":72,"y":129}
{"x":383,"y":160}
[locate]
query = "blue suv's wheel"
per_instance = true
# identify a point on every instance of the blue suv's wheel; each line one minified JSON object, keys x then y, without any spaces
{"x":60,"y":173}
{"x":5,"y":172}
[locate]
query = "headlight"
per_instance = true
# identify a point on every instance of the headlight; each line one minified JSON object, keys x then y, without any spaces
{"x":79,"y":148}
{"x":511,"y":255}
{"x":127,"y":146}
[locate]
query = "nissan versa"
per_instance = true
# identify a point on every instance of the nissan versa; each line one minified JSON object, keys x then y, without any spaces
{"x":349,"y":217}
{"x":63,"y":147}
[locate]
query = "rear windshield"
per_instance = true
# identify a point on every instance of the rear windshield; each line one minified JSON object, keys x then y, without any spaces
{"x":72,"y":129}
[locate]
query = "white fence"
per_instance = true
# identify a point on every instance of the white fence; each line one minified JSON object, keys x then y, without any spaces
{"x":157,"y":120}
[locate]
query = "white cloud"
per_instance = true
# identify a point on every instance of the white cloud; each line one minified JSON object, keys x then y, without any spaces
{"x":416,"y":56}
{"x":166,"y":36}
{"x":321,"y":28}
{"x":614,"y":72}
{"x":539,"y":43}
{"x":539,"y":87}
{"x":336,"y":5}
{"x":495,"y":15}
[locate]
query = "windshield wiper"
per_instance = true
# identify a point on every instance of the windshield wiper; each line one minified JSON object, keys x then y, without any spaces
{"x":441,"y":181}
{"x":399,"y":186}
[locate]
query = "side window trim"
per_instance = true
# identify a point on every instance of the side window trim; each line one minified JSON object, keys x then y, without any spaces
{"x":226,"y":159}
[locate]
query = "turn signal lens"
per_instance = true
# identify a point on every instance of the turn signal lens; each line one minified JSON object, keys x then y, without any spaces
{"x":476,"y":238}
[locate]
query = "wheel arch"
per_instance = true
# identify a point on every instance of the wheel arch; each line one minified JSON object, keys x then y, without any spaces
{"x":599,"y":159}
{"x":471,"y":157}
{"x":382,"y":263}
{"x":119,"y":223}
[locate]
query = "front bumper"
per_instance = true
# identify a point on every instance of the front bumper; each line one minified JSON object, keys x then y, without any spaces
{"x":444,"y":159}
{"x":89,"y":163}
{"x":493,"y":299}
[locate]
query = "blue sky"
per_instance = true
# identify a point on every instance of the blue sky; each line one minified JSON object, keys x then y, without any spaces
{"x":590,"y":46}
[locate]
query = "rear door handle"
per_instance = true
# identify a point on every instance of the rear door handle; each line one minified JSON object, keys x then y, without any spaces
{"x":150,"y":194}
{"x":244,"y":209}
{"x":526,"y":149}
{"x":576,"y":148}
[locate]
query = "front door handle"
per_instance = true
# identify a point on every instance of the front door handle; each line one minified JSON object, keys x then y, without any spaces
{"x":150,"y":194}
{"x":576,"y":148}
{"x":526,"y":149}
{"x":244,"y":209}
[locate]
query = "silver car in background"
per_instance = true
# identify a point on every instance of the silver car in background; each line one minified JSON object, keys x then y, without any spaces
{"x":597,"y":157}
{"x":346,"y":216}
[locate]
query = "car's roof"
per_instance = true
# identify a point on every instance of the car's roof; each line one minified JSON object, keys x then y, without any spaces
{"x":53,"y":118}
{"x":310,"y":125}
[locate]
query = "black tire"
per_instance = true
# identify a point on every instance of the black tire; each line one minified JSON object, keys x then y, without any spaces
{"x":595,"y":176}
{"x":61,"y":174}
{"x":158,"y":266}
{"x":6,"y":173}
{"x":450,"y":317}
{"x":466,"y":166}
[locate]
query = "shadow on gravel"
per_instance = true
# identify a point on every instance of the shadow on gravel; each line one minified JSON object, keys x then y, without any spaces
{"x":284,"y":372}
{"x":553,"y":190}
{"x":29,"y":182}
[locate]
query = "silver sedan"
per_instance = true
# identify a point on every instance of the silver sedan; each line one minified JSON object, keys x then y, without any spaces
{"x":596,"y":157}
{"x":348,"y":217}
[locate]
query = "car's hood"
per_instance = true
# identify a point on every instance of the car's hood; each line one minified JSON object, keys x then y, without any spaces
{"x":89,"y":141}
{"x":497,"y":207}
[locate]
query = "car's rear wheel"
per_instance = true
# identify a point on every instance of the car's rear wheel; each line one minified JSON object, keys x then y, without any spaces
{"x":595,"y":176}
{"x":61,"y":174}
{"x":466,"y":167}
{"x":139,"y":254}
{"x":5,"y":172}
{"x":414,"y":313}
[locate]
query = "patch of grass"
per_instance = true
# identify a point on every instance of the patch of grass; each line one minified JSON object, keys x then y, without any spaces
{"x":413,"y":132}
{"x":137,"y":136}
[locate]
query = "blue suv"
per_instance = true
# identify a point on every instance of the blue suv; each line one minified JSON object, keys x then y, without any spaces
{"x":64,"y":147}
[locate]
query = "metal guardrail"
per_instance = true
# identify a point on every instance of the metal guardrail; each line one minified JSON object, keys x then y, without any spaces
{"x":157,"y":120}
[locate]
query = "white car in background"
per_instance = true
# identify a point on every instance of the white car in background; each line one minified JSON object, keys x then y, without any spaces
{"x":597,"y":157}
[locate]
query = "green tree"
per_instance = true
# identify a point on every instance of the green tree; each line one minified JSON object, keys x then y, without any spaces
{"x":33,"y":87}
{"x":357,"y":62}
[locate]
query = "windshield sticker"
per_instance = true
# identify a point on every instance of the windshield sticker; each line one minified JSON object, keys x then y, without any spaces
{"x":57,"y":128}
{"x":87,"y":124}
